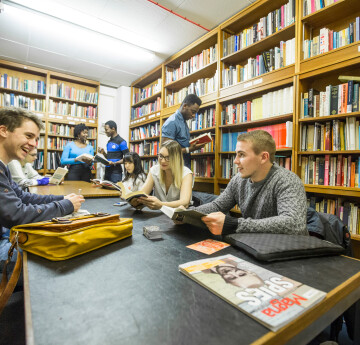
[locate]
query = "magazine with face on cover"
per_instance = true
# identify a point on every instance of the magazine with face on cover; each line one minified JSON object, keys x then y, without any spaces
{"x":268,"y":297}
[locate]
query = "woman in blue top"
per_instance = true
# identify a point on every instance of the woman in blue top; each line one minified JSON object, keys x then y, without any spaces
{"x":78,"y":170}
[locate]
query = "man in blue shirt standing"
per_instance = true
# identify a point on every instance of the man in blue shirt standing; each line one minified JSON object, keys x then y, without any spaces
{"x":116,"y":150}
{"x":176,"y":128}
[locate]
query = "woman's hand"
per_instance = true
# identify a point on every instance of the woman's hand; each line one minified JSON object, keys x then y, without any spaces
{"x":151,"y":202}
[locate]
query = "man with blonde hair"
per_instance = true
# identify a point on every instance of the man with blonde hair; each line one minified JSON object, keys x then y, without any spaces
{"x":271,"y":198}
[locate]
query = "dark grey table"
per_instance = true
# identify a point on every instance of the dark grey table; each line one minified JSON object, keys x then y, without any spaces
{"x":131,"y":292}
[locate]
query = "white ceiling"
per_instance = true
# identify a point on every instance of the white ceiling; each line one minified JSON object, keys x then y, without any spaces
{"x":54,"y":42}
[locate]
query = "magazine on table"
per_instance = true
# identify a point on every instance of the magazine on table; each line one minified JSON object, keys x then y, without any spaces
{"x":266,"y":296}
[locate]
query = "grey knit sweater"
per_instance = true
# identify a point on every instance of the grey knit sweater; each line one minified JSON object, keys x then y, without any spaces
{"x":276,"y":204}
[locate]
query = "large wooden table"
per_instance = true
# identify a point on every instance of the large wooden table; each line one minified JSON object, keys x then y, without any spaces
{"x":131,"y":293}
{"x":88,"y":190}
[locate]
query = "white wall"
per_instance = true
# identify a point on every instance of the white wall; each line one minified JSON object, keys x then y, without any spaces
{"x":114,"y":104}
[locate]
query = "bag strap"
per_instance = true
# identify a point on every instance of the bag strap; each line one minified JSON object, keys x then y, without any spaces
{"x":7,"y":287}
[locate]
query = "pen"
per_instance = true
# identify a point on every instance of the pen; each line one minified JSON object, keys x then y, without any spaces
{"x":79,"y":191}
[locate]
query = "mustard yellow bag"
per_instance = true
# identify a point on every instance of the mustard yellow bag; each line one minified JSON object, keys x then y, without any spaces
{"x":61,"y":238}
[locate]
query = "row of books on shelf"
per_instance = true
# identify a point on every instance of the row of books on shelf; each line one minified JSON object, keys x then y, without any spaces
{"x":57,"y":143}
{"x":67,"y":130}
{"x":53,"y":160}
{"x":72,"y":109}
{"x":203,"y":119}
{"x":203,"y":167}
{"x":148,"y":163}
{"x":275,"y":103}
{"x":65,"y":91}
{"x":268,"y":25}
{"x":140,"y":94}
{"x":347,"y":211}
{"x":341,"y":171}
{"x":209,"y":147}
{"x":20,"y":101}
{"x":143,"y":132}
{"x":20,"y":84}
{"x":191,"y":65}
{"x":268,"y":61}
{"x":201,"y":87}
{"x":146,"y":109}
{"x":311,"y":6}
{"x":145,"y":148}
{"x":335,"y":136}
{"x":330,"y":39}
{"x":336,"y":99}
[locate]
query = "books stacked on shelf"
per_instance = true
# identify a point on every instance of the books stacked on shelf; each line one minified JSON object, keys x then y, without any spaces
{"x":19,"y":101}
{"x":268,"y":25}
{"x":192,"y":65}
{"x":333,"y":135}
{"x":283,"y":161}
{"x":69,"y":92}
{"x":39,"y":162}
{"x":313,"y":6}
{"x":329,"y":170}
{"x":229,"y":140}
{"x":146,"y":92}
{"x":268,"y":61}
{"x":328,"y":39}
{"x":139,"y":148}
{"x":72,"y":109}
{"x":228,"y":168}
{"x":20,"y":84}
{"x":57,"y":143}
{"x":53,"y":160}
{"x":201,"y":87}
{"x":274,"y":103}
{"x":282,"y":134}
{"x":146,"y":109}
{"x":256,"y":292}
{"x":348,"y":212}
{"x":336,"y":99}
{"x":203,"y":119}
{"x":148,"y":163}
{"x":148,"y":131}
{"x":203,"y":167}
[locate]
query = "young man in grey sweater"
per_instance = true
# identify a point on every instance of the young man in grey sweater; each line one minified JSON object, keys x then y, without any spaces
{"x":271,"y":199}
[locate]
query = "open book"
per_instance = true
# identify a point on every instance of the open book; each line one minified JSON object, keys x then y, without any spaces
{"x":96,"y":158}
{"x":58,"y":175}
{"x":266,"y":296}
{"x":106,"y":184}
{"x":186,"y":216}
{"x":202,"y":139}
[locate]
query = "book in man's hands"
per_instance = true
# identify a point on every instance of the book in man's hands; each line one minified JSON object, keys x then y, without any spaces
{"x":202,"y":139}
{"x":58,"y":175}
{"x":266,"y":296}
{"x":96,"y":158}
{"x":192,"y":217}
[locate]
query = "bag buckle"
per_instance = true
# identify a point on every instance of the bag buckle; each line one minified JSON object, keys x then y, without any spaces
{"x":101,"y":214}
{"x":61,"y":220}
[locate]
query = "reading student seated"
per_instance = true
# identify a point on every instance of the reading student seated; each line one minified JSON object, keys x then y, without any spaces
{"x":170,"y":179}
{"x":135,"y":176}
{"x":23,"y":172}
{"x":271,"y":198}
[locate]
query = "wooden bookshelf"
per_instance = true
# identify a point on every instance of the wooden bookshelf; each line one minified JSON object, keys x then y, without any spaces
{"x":35,"y":84}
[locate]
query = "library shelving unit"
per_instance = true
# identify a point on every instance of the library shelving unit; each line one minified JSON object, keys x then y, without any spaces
{"x":328,"y":151}
{"x":146,"y":105}
{"x":60,"y":100}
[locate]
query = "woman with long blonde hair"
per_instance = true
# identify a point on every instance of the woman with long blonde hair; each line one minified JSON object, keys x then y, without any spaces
{"x":170,"y":179}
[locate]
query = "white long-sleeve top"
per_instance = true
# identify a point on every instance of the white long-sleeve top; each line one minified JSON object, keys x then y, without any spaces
{"x":25,"y":176}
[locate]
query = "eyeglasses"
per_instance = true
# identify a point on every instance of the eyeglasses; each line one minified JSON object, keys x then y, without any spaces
{"x":167,"y":158}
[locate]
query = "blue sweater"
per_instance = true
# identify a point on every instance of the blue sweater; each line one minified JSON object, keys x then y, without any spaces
{"x":18,"y":207}
{"x":71,"y":151}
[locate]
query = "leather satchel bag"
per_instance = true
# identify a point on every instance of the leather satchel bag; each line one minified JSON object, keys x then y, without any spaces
{"x":60,"y":239}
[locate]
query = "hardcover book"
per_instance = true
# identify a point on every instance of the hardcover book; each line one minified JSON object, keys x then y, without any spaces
{"x":266,"y":296}
{"x":202,"y":139}
{"x":185,"y":216}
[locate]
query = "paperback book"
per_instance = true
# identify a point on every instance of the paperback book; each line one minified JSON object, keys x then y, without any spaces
{"x":202,"y":139}
{"x":185,"y":216}
{"x":97,"y":158}
{"x":266,"y":296}
{"x":208,"y":246}
{"x":58,"y":175}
